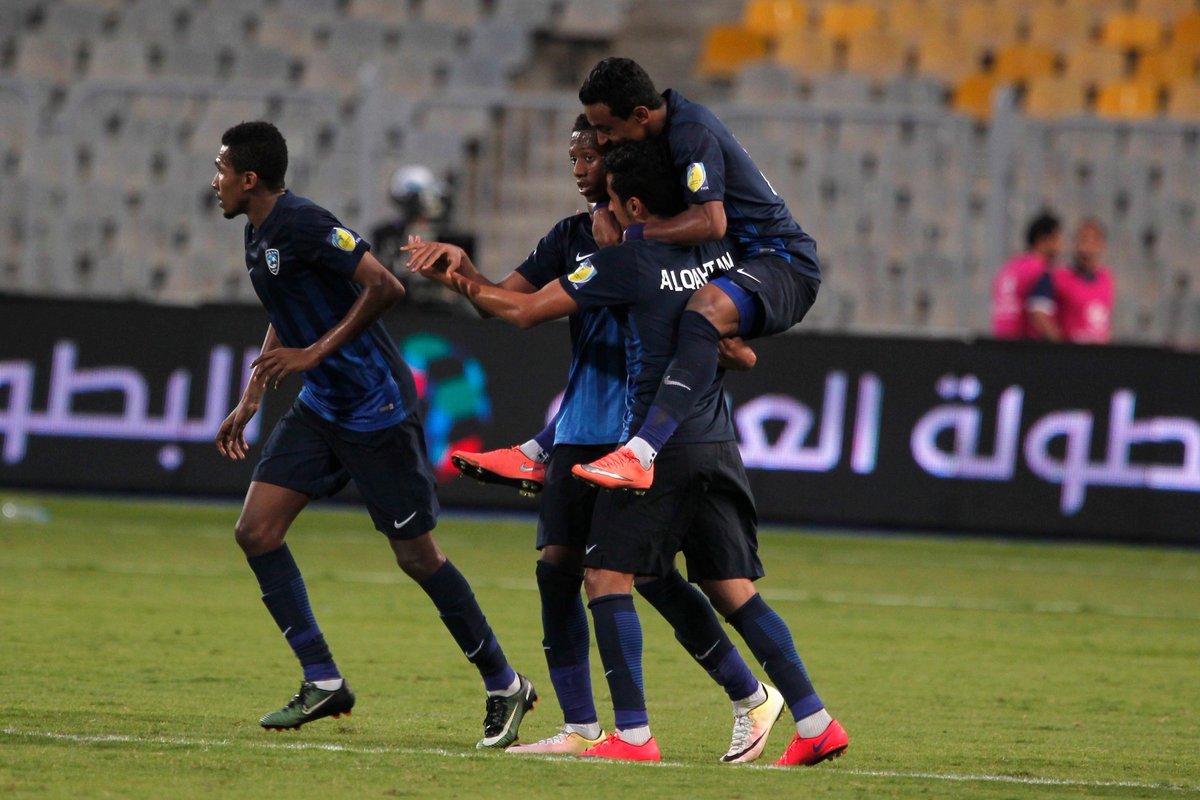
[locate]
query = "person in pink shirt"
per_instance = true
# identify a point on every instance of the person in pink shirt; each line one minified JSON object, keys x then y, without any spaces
{"x":1014,"y":283}
{"x":1075,"y":303}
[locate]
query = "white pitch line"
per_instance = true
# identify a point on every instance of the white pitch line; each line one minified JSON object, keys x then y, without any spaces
{"x":440,"y":753}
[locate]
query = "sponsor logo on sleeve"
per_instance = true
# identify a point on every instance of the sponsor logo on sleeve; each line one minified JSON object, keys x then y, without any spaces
{"x":697,"y":178}
{"x":583,"y":273}
{"x":273,"y":261}
{"x":343,"y":239}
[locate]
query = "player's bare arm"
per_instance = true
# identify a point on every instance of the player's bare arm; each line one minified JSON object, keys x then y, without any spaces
{"x":231,"y":436}
{"x":704,"y":222}
{"x":447,"y":263}
{"x":381,"y":289}
{"x":519,"y":308}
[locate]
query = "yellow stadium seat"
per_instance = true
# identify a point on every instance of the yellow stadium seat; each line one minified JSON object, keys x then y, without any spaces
{"x":988,"y":23}
{"x":1094,"y":64}
{"x":973,"y":95}
{"x":1183,"y":100}
{"x":1167,"y":66}
{"x":876,"y":54}
{"x":1131,"y":31}
{"x":843,"y":20}
{"x":1059,"y":26}
{"x":806,"y":53}
{"x":915,"y":21}
{"x":726,"y":48}
{"x":950,"y":59}
{"x":1052,"y":96}
{"x":770,"y":18}
{"x":1128,"y":100}
{"x":1185,"y":32}
{"x":1163,"y":10}
{"x":1020,"y":62}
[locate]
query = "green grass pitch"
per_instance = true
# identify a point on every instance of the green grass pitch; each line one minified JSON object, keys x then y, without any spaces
{"x":136,"y":657}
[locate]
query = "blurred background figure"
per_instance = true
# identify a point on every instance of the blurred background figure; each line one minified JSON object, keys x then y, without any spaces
{"x":422,"y":205}
{"x":1074,"y":303}
{"x":1013,"y":285}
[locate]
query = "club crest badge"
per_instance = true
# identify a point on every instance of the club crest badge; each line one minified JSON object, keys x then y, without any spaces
{"x":273,"y":261}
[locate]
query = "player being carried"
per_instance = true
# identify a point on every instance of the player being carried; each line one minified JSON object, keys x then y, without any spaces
{"x":589,"y":422}
{"x":703,"y":506}
{"x":356,"y":418}
{"x":777,"y":274}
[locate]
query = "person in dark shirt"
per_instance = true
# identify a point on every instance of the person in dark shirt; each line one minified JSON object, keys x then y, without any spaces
{"x":777,"y":275}
{"x":702,"y":507}
{"x":356,"y":418}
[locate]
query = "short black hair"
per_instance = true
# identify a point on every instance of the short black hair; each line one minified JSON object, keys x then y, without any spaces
{"x":582,"y":125}
{"x":645,"y":170}
{"x":260,"y":148}
{"x":622,"y":85}
{"x":1043,"y":225}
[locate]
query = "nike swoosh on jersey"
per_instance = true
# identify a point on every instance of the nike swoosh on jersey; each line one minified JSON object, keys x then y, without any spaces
{"x":587,"y":255}
{"x":669,"y":382}
{"x":748,"y":275}
{"x":587,"y":550}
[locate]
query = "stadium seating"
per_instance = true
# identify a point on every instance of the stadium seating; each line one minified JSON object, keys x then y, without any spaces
{"x":872,"y":118}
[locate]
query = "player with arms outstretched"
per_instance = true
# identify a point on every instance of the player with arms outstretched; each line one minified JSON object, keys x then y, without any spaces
{"x":703,"y":507}
{"x":356,"y":418}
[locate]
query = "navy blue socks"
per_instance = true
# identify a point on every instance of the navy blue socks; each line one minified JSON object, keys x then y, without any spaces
{"x":463,"y":617}
{"x":285,"y":596}
{"x":690,"y":372}
{"x":700,"y":632}
{"x":566,"y":640}
{"x":771,"y":642}
{"x":619,"y":638}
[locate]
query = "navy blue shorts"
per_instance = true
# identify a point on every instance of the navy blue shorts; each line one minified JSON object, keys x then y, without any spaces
{"x":699,"y":504}
{"x":565,"y":515}
{"x":311,"y":455}
{"x":783,"y":294}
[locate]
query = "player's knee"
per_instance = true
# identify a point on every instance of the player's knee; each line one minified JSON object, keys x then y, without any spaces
{"x":418,"y":558}
{"x":716,"y":307}
{"x":257,"y":537}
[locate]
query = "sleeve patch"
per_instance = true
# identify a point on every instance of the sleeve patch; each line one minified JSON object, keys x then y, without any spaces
{"x":343,"y":239}
{"x":583,"y":273}
{"x":697,"y":178}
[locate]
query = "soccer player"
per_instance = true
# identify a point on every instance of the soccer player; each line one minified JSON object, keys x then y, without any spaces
{"x":777,"y":275}
{"x":589,"y":423}
{"x":1013,"y":285}
{"x":704,"y":507}
{"x":356,"y":418}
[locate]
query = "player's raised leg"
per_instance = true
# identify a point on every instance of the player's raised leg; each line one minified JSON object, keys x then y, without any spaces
{"x":522,"y":466}
{"x":756,"y":706}
{"x":267,"y":514}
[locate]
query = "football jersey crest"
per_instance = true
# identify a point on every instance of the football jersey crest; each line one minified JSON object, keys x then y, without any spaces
{"x":583,"y":273}
{"x":697,"y":178}
{"x":273,"y":261}
{"x":343,"y":239}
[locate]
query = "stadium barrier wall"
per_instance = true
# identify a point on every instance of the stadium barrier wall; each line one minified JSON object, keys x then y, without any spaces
{"x":1015,"y":438}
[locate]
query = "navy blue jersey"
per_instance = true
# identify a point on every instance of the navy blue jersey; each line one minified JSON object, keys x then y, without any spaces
{"x":646,"y":284}
{"x":715,"y":166}
{"x":300,"y":262}
{"x":593,"y":404}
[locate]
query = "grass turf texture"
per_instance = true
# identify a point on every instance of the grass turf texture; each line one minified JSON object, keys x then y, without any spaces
{"x":137,"y":658}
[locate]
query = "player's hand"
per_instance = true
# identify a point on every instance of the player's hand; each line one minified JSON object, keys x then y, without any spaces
{"x":275,"y":365}
{"x":605,"y":228}
{"x":231,"y":436}
{"x":733,"y":353}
